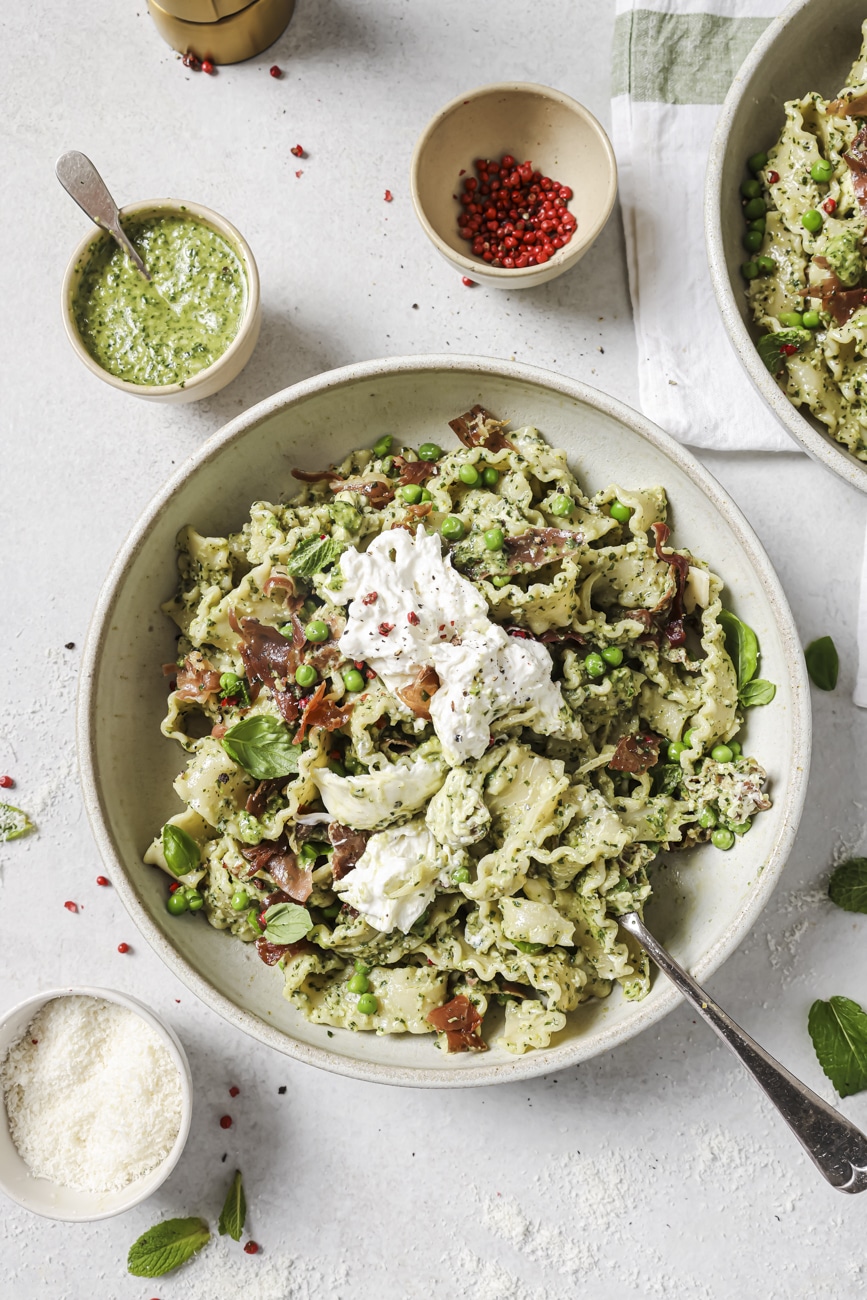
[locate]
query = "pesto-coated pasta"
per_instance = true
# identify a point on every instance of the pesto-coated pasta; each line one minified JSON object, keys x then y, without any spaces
{"x":454,"y":709}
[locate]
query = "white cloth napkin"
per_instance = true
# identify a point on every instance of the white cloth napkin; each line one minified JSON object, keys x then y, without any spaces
{"x":673,"y":62}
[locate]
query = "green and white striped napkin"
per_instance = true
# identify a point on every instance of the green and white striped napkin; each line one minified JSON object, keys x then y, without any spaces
{"x":673,"y":63}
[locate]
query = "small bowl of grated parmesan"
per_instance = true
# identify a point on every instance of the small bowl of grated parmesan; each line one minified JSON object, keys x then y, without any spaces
{"x":97,"y":1103}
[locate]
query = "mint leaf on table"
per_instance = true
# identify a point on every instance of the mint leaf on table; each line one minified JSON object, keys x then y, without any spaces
{"x":13,"y":823}
{"x":234,"y":1211}
{"x":180,"y":850}
{"x":263,"y":747}
{"x":313,"y":555}
{"x":848,"y":885}
{"x":770,"y":346}
{"x":287,"y":923}
{"x":838,"y":1029}
{"x":742,"y":645}
{"x":823,"y":663}
{"x":166,"y":1246}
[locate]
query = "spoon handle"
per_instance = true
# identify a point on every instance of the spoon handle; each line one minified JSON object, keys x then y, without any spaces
{"x":835,"y":1145}
{"x":82,"y":181}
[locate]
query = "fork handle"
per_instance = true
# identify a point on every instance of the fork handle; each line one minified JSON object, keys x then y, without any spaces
{"x":833,"y":1143}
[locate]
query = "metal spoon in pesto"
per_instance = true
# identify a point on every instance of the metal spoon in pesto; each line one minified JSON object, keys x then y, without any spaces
{"x":833,"y":1143}
{"x":79,"y":177}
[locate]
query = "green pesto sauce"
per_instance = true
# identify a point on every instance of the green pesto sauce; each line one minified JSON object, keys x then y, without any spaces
{"x":165,"y":331}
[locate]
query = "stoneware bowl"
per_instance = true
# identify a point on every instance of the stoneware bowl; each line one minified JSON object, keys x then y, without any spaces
{"x":811,"y":46}
{"x":706,"y":900}
{"x":557,"y":134}
{"x":222,"y":371}
{"x":46,"y":1198}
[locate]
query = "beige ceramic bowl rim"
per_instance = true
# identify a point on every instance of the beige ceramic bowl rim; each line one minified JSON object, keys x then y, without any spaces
{"x":820,"y":446}
{"x":198,"y":212}
{"x":174,"y":1047}
{"x":571,"y":251}
{"x":534,"y":1063}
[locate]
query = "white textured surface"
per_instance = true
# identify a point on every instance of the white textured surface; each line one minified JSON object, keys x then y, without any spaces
{"x":654,"y":1171}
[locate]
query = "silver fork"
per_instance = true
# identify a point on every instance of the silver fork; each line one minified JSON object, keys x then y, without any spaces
{"x":833,"y":1143}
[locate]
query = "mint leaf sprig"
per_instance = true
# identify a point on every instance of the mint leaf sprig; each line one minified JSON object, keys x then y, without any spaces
{"x":262,"y":746}
{"x":742,"y":645}
{"x":823,"y":663}
{"x":234,"y":1212}
{"x":838,"y":1029}
{"x":166,"y":1246}
{"x":287,"y":923}
{"x":848,"y":885}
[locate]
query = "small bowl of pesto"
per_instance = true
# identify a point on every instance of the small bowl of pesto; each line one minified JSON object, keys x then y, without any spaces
{"x":186,"y":333}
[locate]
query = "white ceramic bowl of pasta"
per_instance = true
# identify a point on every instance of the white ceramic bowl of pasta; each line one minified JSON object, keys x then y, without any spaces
{"x":810,"y":46}
{"x":705,"y":902}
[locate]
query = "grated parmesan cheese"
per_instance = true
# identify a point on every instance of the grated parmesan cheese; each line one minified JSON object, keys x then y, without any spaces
{"x":92,"y":1094}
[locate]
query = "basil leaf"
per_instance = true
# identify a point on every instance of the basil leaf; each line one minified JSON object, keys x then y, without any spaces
{"x":838,"y":1029}
{"x":742,"y":645}
{"x":848,"y":885}
{"x":770,"y":346}
{"x":166,"y":1246}
{"x":313,"y":555}
{"x":823,"y":663}
{"x":757,"y":692}
{"x":180,"y":850}
{"x":262,"y":746}
{"x":287,"y":923}
{"x":234,"y":1211}
{"x":13,"y":823}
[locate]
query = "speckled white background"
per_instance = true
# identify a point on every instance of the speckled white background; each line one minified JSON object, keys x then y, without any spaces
{"x":654,"y":1171}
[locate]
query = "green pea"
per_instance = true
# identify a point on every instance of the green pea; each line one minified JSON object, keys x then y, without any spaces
{"x":425,"y":495}
{"x":758,"y":224}
{"x":722,"y":838}
{"x":749,"y":270}
{"x":751,"y":189}
{"x":287,"y":630}
{"x":429,"y":451}
{"x":362,"y":966}
{"x":812,"y":221}
{"x":195,"y":900}
{"x":240,"y":900}
{"x":309,"y":852}
{"x":742,"y":827}
{"x":612,"y":654}
{"x":383,"y":447}
{"x":359,"y":984}
{"x":791,"y":319}
{"x":469,"y":474}
{"x":595,"y":665}
{"x":368,"y":1004}
{"x":562,"y":505}
{"x":411,"y":493}
{"x":490,"y":476}
{"x":460,"y":876}
{"x":757,"y":162}
{"x":822,"y":171}
{"x":753,"y":241}
{"x":708,"y":819}
{"x":353,"y":765}
{"x":500,"y":580}
{"x":306,"y":675}
{"x":316,"y":630}
{"x":689,"y":738}
{"x":336,"y":767}
{"x":766,"y":264}
{"x":388,"y":464}
{"x":452,"y":529}
{"x":177,"y":902}
{"x":755,"y":208}
{"x":675,"y":749}
{"x":494,"y":539}
{"x":231,"y":683}
{"x":812,"y":320}
{"x":331,"y":910}
{"x":523,"y":945}
{"x":735,"y":748}
{"x":721,"y":754}
{"x":353,"y":680}
{"x":619,"y":511}
{"x":309,"y":608}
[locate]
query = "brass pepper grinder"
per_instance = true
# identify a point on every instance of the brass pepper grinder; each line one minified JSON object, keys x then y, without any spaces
{"x":224,"y":31}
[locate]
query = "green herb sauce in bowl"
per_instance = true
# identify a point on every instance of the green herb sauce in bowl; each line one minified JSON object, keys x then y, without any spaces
{"x":185,"y":333}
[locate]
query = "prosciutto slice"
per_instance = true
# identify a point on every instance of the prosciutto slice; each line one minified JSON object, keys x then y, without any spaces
{"x":635,"y":753}
{"x":319,"y":712}
{"x":679,"y":568}
{"x":348,"y":846}
{"x":461,"y":1023}
{"x":538,"y":546}
{"x":478,"y":428}
{"x":196,"y":680}
{"x":417,"y":695}
{"x":856,"y":160}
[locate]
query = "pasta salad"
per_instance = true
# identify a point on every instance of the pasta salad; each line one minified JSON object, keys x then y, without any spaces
{"x":442,"y":711}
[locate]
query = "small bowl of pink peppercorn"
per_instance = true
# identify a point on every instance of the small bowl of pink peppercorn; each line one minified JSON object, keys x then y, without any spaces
{"x":512,"y":183}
